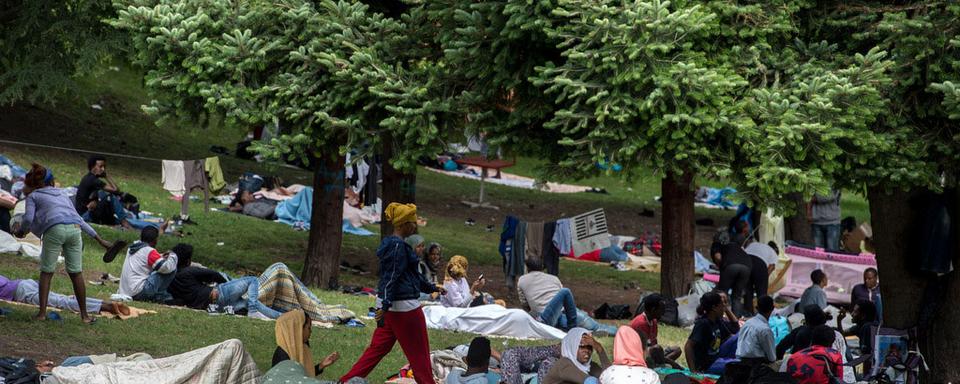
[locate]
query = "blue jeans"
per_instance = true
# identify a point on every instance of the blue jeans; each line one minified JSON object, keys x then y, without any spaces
{"x":826,"y":236}
{"x":155,"y":288}
{"x":74,"y":361}
{"x":585,"y":321}
{"x":563,"y":300}
{"x":243,"y":293}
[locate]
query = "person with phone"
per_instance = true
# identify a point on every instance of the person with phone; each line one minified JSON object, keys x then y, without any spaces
{"x":461,"y":293}
{"x":398,"y":313}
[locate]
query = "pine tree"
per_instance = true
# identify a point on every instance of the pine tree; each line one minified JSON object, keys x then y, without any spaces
{"x":331,"y":73}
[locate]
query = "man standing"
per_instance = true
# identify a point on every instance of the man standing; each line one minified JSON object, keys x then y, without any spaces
{"x":755,"y":343}
{"x":825,"y":220}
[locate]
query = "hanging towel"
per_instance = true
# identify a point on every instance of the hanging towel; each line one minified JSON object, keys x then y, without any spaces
{"x":214,"y":174}
{"x":563,"y":238}
{"x":194,"y":176}
{"x":534,"y":243}
{"x":515,"y":267}
{"x":172,"y":177}
{"x":551,"y":256}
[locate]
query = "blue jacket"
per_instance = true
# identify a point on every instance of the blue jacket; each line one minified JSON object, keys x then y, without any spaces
{"x":50,"y":206}
{"x":399,"y":279}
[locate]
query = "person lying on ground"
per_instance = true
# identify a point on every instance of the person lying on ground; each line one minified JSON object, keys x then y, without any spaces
{"x":869,"y":290}
{"x":516,"y":361}
{"x":800,"y":337}
{"x":819,"y":362}
{"x":478,"y":365}
{"x":293,"y":331}
{"x":50,"y":215}
{"x":460,"y":293}
{"x":709,"y":332}
{"x":147,"y":273}
{"x":755,"y":340}
{"x":629,"y":363}
{"x":646,"y":325}
{"x":814,"y":294}
{"x":552,"y":304}
{"x":399,"y":314}
{"x":247,"y":204}
{"x":275,"y":291}
{"x":28,"y":291}
{"x":575,"y":365}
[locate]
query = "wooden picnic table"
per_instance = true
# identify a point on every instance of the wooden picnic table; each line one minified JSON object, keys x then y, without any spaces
{"x":484,"y":164}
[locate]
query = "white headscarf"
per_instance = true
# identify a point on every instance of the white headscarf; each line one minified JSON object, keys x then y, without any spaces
{"x":571,"y":345}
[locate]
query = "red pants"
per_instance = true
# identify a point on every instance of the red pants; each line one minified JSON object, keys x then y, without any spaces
{"x":410,"y":329}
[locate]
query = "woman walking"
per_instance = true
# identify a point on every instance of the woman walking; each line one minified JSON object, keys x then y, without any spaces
{"x":399,"y":316}
{"x":51,"y":216}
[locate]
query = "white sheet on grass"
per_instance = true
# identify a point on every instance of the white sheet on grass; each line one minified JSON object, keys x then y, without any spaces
{"x":28,"y":246}
{"x":490,"y":320}
{"x":224,"y":363}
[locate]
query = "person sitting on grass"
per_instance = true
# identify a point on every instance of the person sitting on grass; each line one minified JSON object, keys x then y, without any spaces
{"x":146,"y":273}
{"x":478,"y":365}
{"x":646,"y":325}
{"x":709,"y":332}
{"x":293,"y":331}
{"x":815,"y":294}
{"x":50,"y":215}
{"x":818,"y":363}
{"x":864,"y":317}
{"x":428,"y":267}
{"x":629,"y":364}
{"x":460,"y":293}
{"x":755,"y":339}
{"x":269,"y":295}
{"x":575,"y":365}
{"x":100,"y":201}
{"x":552,"y":304}
{"x":28,"y":292}
{"x":801,"y":337}
{"x":869,"y":290}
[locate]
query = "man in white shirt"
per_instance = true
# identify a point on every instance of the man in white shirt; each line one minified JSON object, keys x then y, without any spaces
{"x":552,"y":304}
{"x":755,"y":342}
{"x":146,"y":273}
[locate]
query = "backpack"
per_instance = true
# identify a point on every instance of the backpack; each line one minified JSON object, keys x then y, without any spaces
{"x":671,"y":314}
{"x":103,"y":214}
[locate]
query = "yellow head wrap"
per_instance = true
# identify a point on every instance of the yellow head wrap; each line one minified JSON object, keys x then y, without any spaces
{"x":456,"y":268}
{"x":401,"y":213}
{"x":289,"y":331}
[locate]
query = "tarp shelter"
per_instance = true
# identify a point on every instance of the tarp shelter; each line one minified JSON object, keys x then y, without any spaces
{"x":843,"y":271}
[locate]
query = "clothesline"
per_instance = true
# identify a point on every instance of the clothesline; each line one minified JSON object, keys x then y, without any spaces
{"x":104,"y":153}
{"x":79,"y":150}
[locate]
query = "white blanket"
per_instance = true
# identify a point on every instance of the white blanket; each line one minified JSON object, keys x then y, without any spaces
{"x":225,"y":363}
{"x":490,"y":320}
{"x":28,"y":246}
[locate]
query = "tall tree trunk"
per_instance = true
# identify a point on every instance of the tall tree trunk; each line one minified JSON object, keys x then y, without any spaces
{"x":676,"y":261}
{"x":797,"y":227}
{"x":322,"y":265}
{"x":398,"y":187}
{"x":895,"y":218}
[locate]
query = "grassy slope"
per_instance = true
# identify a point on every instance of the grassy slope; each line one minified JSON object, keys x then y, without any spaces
{"x":249,"y":244}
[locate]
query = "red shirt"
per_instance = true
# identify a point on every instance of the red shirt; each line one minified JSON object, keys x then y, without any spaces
{"x":645,"y":327}
{"x":808,"y":366}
